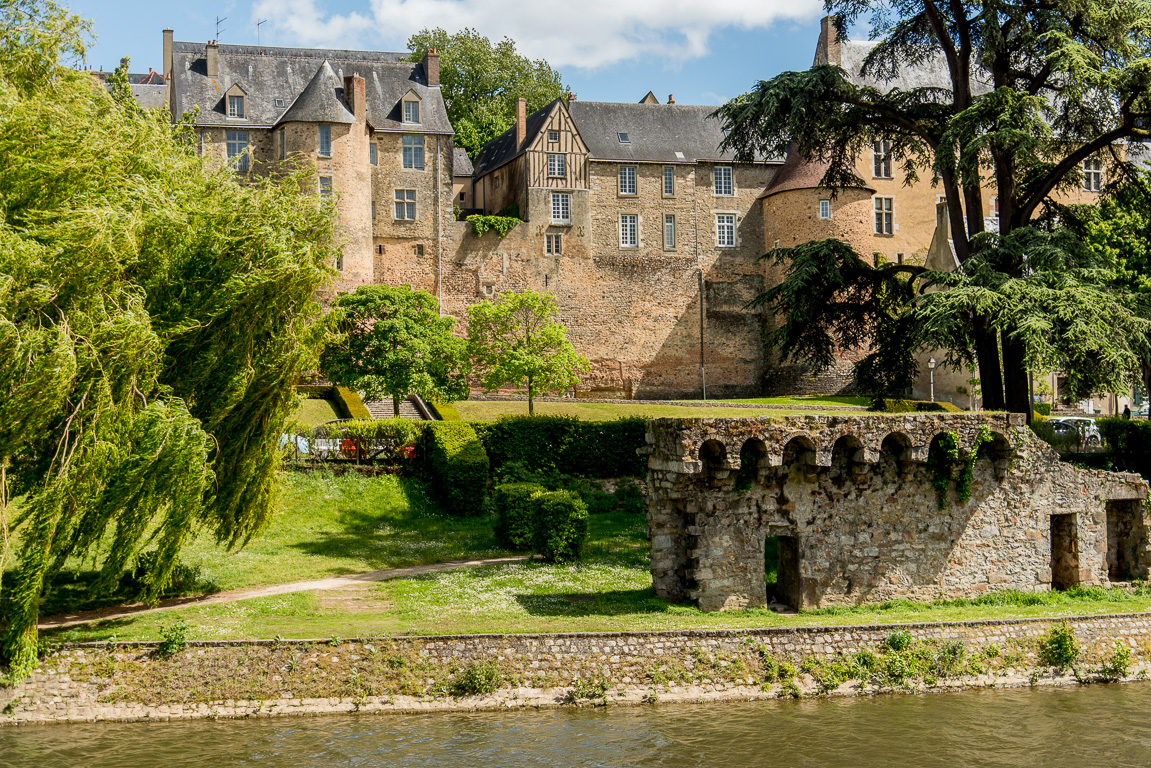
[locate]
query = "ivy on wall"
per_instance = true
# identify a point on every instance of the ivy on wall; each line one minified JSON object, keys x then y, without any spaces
{"x":941,"y":463}
{"x":500,"y":224}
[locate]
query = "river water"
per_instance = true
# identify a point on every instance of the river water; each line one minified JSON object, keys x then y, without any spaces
{"x":1049,"y":728}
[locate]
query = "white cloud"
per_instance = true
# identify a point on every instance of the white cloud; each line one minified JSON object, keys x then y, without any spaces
{"x":588,"y":34}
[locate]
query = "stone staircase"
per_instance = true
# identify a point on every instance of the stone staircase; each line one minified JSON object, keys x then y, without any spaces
{"x":382,"y":409}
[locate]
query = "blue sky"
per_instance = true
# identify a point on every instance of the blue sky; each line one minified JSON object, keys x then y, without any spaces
{"x":607,"y":50}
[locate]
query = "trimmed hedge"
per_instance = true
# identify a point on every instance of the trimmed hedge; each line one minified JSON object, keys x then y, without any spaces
{"x":447,"y":411}
{"x":1130,"y":443}
{"x":892,"y":405}
{"x":1043,"y":409}
{"x":515,"y":527}
{"x":351,"y":403}
{"x":587,"y":448}
{"x":560,"y":525}
{"x":459,"y":466}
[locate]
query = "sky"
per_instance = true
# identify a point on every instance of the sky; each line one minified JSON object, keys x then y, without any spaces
{"x":703,"y":51}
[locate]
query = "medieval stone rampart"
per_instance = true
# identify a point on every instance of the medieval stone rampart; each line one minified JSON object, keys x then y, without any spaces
{"x":850,"y":506}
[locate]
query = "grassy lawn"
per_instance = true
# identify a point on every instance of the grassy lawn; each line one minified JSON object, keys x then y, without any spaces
{"x":490,"y":410}
{"x":816,"y":401}
{"x":315,"y":411}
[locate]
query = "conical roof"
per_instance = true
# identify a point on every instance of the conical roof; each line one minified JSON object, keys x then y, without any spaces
{"x":797,"y":173}
{"x":321,"y":101}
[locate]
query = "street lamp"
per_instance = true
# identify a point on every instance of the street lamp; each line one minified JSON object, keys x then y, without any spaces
{"x":931,"y":368}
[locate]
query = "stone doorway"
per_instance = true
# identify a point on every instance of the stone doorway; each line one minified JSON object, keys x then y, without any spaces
{"x":1124,"y":537}
{"x":781,"y":570}
{"x":1064,"y":551}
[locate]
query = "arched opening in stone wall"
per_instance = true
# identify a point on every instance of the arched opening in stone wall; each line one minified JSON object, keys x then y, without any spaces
{"x":999,"y":452}
{"x":799,"y":450}
{"x":752,"y":458}
{"x":896,"y":446}
{"x":846,"y":459}
{"x":713,"y":455}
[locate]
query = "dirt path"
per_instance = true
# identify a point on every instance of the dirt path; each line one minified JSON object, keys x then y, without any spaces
{"x":333,"y":583}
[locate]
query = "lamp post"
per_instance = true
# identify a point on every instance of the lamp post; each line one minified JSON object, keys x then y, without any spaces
{"x":931,"y":369}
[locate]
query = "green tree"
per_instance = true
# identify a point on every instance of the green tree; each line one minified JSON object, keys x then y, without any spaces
{"x":1032,"y":91}
{"x":392,"y":342}
{"x":155,"y":316}
{"x":480,"y":83}
{"x":518,"y":340}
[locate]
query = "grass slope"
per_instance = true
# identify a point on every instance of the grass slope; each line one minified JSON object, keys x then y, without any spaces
{"x":315,"y":411}
{"x":490,"y":410}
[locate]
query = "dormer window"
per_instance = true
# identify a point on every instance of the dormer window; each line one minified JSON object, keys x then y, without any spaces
{"x":623,"y":138}
{"x":235,"y":106}
{"x":279,"y":103}
{"x":411,"y":111}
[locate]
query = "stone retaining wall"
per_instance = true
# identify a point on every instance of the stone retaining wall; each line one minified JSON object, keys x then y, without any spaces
{"x":128,"y":681}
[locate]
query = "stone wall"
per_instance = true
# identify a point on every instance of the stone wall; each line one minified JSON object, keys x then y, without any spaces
{"x":129,"y":681}
{"x":851,"y":505}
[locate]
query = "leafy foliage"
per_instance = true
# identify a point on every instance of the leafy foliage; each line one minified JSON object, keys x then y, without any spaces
{"x":393,"y":342}
{"x":942,"y":456}
{"x":501,"y":225}
{"x":515,"y":526}
{"x":575,"y":447}
{"x":459,"y":466}
{"x":518,"y":339}
{"x":480,"y":83}
{"x":1058,"y":647}
{"x":1130,"y":443}
{"x":560,"y":529}
{"x":154,"y":316}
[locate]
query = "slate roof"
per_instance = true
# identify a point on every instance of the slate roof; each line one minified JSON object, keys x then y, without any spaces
{"x":461,"y":163}
{"x":930,"y":73}
{"x":503,"y":149}
{"x":151,"y":96}
{"x":266,"y":74}
{"x":321,"y":101}
{"x":796,"y":173}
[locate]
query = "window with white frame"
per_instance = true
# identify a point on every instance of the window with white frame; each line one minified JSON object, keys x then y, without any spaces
{"x":723,"y":180}
{"x":668,"y":180}
{"x":553,"y":245}
{"x":235,"y":106}
{"x":414,"y":153}
{"x":325,"y":141}
{"x":556,"y":165}
{"x":825,"y":209}
{"x":406,"y":204}
{"x":725,"y":230}
{"x":881,"y":159}
{"x":1092,"y":174}
{"x":884,"y":215}
{"x":561,"y":208}
{"x":373,"y":156}
{"x":628,"y":230}
{"x":627,"y":179}
{"x":325,"y":186}
{"x":236,"y":145}
{"x":669,"y":231}
{"x":553,"y":136}
{"x":995,"y":207}
{"x":411,"y":111}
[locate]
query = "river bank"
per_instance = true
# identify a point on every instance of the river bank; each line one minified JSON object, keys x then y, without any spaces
{"x":87,"y":682}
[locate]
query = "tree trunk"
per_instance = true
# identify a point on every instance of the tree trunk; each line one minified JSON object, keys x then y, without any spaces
{"x":531,"y":399}
{"x":396,"y":406}
{"x":1015,"y":378}
{"x":987,"y":354}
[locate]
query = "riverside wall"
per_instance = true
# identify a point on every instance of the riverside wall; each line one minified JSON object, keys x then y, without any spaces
{"x":132,"y":682}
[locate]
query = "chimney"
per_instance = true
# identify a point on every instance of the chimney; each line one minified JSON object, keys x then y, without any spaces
{"x":521,"y":122}
{"x":571,"y":98}
{"x":827,"y":51}
{"x":354,"y":94}
{"x":432,"y":67}
{"x":167,"y":53}
{"x":671,"y":98}
{"x":213,"y":60}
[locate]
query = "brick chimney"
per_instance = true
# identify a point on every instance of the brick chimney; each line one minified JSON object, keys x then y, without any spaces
{"x":671,"y":98}
{"x":571,"y":98}
{"x":213,"y":59}
{"x":167,"y":53}
{"x":354,"y":95}
{"x":828,"y":51}
{"x":432,"y":67}
{"x":521,"y":122}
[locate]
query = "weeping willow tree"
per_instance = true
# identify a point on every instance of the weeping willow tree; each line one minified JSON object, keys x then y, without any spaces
{"x":154,"y":315}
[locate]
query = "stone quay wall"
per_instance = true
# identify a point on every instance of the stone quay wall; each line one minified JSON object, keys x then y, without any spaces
{"x":129,"y":681}
{"x":850,"y":503}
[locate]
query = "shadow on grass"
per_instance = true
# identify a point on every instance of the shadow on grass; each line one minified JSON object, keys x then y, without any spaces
{"x":71,"y":591}
{"x":611,"y":603}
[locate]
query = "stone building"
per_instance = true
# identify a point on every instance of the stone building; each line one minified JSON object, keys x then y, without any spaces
{"x":849,"y":506}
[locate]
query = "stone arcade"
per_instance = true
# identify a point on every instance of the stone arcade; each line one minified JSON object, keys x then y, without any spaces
{"x":850,"y":505}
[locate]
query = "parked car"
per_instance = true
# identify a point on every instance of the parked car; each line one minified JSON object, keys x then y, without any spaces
{"x":1142,"y":411}
{"x":1087,"y":429}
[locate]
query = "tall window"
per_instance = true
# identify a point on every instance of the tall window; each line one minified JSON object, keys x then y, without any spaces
{"x":235,"y":106}
{"x":236,"y":143}
{"x":668,"y":231}
{"x":283,"y":143}
{"x":414,"y":152}
{"x":1093,"y":174}
{"x":627,"y":179}
{"x":881,"y":159}
{"x":561,"y":208}
{"x":725,"y":230}
{"x":884,"y":215}
{"x":553,"y":245}
{"x":628,"y":230}
{"x":556,"y":165}
{"x":325,"y":186}
{"x":825,"y":209}
{"x":411,"y":111}
{"x":406,"y":204}
{"x":668,"y":181}
{"x":723,"y":182}
{"x":373,"y":158}
{"x":325,"y":141}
